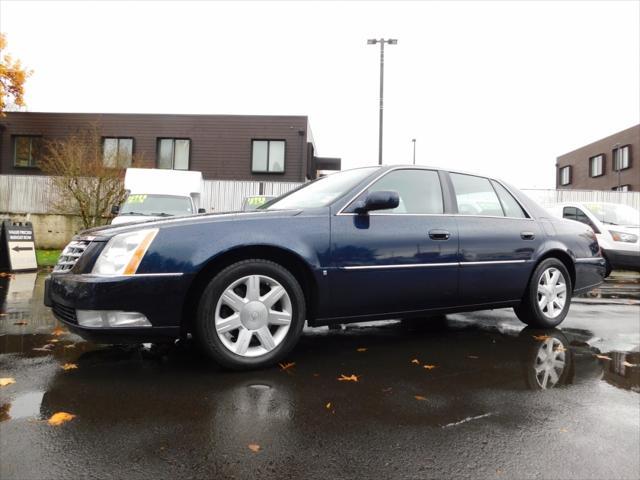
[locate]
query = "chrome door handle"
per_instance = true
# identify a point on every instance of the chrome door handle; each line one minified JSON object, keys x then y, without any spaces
{"x":527,"y":235}
{"x":439,"y":235}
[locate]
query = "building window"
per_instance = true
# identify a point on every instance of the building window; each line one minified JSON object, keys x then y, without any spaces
{"x":173,"y":153}
{"x":117,"y":151}
{"x":267,"y":156}
{"x":596,"y":165}
{"x":621,"y":158}
{"x":26,"y":150}
{"x":622,"y":188}
{"x":565,"y":175}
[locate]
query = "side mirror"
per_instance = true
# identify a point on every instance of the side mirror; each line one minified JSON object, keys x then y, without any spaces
{"x":202,"y":210}
{"x":115,"y":209}
{"x":380,"y":200}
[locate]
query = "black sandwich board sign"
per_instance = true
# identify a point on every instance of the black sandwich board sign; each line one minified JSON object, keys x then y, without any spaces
{"x":17,"y":247}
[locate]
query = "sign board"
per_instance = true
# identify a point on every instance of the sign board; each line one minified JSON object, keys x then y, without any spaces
{"x":17,"y":247}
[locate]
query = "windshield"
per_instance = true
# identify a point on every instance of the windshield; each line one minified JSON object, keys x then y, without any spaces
{"x":615,"y":214}
{"x":156,"y":205}
{"x":321,"y":192}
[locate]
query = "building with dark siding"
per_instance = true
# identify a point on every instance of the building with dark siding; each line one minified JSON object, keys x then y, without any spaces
{"x":222,"y":147}
{"x":611,"y":163}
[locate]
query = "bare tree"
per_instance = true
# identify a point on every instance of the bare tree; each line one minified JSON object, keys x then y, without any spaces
{"x":88,"y":177}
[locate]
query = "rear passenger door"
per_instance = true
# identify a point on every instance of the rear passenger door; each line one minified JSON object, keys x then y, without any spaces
{"x":497,"y":241}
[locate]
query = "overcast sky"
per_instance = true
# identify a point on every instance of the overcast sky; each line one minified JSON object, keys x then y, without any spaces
{"x":492,"y":87}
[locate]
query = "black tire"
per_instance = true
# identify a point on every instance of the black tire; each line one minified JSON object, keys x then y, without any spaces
{"x":529,"y":311}
{"x":607,"y":267}
{"x":205,"y":329}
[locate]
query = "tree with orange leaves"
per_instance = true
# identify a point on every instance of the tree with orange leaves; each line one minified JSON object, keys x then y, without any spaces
{"x":12,"y":78}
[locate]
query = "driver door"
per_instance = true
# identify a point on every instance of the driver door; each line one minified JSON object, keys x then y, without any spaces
{"x":399,"y":260}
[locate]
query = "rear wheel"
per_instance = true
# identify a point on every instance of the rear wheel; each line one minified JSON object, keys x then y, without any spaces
{"x":250,"y":315}
{"x":548,"y":297}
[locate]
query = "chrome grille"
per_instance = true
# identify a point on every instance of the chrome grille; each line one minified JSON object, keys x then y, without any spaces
{"x":70,"y":255}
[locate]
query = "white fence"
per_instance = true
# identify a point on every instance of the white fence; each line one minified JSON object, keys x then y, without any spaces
{"x":550,"y":197}
{"x":36,"y":194}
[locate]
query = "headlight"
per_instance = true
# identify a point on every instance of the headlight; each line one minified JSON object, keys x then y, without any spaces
{"x":124,"y":252}
{"x":623,"y":237}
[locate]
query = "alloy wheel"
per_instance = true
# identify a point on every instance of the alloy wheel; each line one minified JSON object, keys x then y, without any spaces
{"x":253,"y":315}
{"x":552,"y":292}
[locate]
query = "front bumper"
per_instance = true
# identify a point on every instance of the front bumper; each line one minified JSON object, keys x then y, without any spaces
{"x":159,"y":297}
{"x":624,"y":259}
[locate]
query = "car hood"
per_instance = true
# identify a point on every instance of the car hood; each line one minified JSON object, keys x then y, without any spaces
{"x":203,"y":218}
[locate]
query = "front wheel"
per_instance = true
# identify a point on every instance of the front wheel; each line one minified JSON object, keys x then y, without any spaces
{"x":250,"y":315}
{"x":548,"y":296}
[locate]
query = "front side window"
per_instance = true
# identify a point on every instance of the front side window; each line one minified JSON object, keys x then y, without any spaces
{"x":26,"y":150}
{"x":596,"y":165}
{"x":621,"y":158}
{"x":565,"y":175}
{"x":117,"y":151}
{"x":476,"y":196}
{"x":419,"y":191}
{"x":267,"y":156}
{"x":173,"y":153}
{"x":510,"y":205}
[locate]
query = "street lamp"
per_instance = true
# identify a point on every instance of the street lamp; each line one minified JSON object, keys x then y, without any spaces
{"x":381,"y":41}
{"x":414,"y":150}
{"x":617,"y":161}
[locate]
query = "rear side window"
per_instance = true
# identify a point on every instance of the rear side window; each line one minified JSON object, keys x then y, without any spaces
{"x":509,"y":204}
{"x":475,"y":196}
{"x":419,"y":191}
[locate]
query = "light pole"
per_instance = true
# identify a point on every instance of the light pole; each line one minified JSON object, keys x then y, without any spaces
{"x":381,"y":41}
{"x":617,"y":161}
{"x":414,"y":150}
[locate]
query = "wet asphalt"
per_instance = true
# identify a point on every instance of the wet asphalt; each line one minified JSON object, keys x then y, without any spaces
{"x":450,"y":398}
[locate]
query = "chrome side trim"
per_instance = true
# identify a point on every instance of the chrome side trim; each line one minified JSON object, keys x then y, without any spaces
{"x":492,"y":262}
{"x":412,"y":265}
{"x":104,"y":275}
{"x":429,"y":265}
{"x":595,"y":260}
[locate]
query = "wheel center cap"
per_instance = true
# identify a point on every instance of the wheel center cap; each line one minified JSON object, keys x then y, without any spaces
{"x":254,"y":315}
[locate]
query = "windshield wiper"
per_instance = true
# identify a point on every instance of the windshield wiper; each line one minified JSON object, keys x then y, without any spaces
{"x":132,"y":213}
{"x":161,"y":214}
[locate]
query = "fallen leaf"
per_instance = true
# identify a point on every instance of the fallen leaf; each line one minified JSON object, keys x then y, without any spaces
{"x":559,"y":348}
{"x":58,"y":331}
{"x":328,"y":406}
{"x":7,"y":381}
{"x":69,"y":366}
{"x":44,"y":348}
{"x":316,"y":374}
{"x":387,"y":390}
{"x":474,"y":357}
{"x":72,"y":345}
{"x":19,"y":323}
{"x":541,"y":338}
{"x":420,"y":398}
{"x":361,"y":349}
{"x":350,"y":378}
{"x":602,"y":357}
{"x":254,"y":447}
{"x":54,"y":340}
{"x":287,"y":366}
{"x":416,"y":361}
{"x":627,"y":364}
{"x":429,"y":367}
{"x":60,"y":418}
{"x":563,"y":430}
{"x":4,"y":412}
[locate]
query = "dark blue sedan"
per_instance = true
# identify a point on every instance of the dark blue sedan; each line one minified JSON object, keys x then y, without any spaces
{"x":363,"y":244}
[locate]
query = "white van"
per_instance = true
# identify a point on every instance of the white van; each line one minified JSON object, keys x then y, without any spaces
{"x":616,"y":226}
{"x":156,"y":193}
